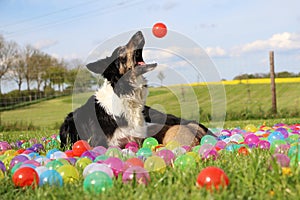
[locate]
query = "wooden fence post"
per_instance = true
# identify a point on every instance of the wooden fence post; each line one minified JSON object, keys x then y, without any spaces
{"x":273,"y":84}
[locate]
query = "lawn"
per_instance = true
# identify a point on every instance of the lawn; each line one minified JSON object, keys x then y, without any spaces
{"x":243,"y":102}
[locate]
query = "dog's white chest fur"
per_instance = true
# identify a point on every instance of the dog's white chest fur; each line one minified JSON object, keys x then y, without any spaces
{"x":106,"y":97}
{"x":129,"y":106}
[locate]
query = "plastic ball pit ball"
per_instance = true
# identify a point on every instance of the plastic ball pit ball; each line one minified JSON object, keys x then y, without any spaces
{"x":159,"y":30}
{"x":185,"y":162}
{"x":150,"y":143}
{"x":80,"y":147}
{"x":167,"y":155}
{"x":137,"y":174}
{"x":25,"y":176}
{"x":69,"y":173}
{"x":93,"y":167}
{"x":114,"y":152}
{"x":131,"y":162}
{"x":212,"y":177}
{"x":155,"y":164}
{"x":39,"y":166}
{"x":97,"y":182}
{"x":144,"y":152}
{"x":51,"y":178}
{"x":115,"y":164}
{"x":81,"y":163}
{"x":208,"y":139}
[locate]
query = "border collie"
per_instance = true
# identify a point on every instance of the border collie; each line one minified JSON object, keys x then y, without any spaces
{"x":116,"y":114}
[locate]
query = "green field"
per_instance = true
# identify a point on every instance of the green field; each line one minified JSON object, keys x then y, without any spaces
{"x":250,"y":176}
{"x":243,"y":102}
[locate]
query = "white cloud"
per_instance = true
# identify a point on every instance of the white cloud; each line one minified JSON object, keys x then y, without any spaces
{"x":44,"y":44}
{"x":215,"y":51}
{"x":281,"y":41}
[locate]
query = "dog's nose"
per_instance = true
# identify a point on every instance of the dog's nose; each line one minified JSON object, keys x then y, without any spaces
{"x":139,"y":34}
{"x":138,"y":37}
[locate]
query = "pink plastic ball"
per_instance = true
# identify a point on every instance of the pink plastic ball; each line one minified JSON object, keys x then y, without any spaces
{"x":251,"y":140}
{"x":140,"y":175}
{"x":115,"y":164}
{"x":167,"y":155}
{"x":263,"y":144}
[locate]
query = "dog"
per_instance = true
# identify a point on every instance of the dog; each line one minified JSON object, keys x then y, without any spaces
{"x":116,"y":114}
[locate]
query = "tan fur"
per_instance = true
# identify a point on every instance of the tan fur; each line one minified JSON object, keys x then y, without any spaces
{"x":182,"y":134}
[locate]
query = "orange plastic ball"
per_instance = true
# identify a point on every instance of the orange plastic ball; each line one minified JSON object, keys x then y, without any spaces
{"x":159,"y":30}
{"x":25,"y":176}
{"x":212,"y":177}
{"x":80,"y":147}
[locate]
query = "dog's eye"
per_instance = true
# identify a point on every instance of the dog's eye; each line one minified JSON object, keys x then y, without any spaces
{"x":123,"y":58}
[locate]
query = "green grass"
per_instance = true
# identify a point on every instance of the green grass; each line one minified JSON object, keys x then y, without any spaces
{"x":243,"y":101}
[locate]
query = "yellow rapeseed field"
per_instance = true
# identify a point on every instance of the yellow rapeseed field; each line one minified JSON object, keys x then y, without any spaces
{"x":250,"y":81}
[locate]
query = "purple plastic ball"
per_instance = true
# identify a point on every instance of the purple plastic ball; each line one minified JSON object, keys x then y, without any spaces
{"x":100,"y":150}
{"x":90,"y":154}
{"x":4,"y":146}
{"x":38,"y":147}
{"x":17,"y":159}
{"x":283,"y":131}
{"x":2,"y":166}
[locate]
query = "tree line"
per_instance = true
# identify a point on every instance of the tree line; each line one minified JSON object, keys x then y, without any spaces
{"x":284,"y":74}
{"x":41,"y":73}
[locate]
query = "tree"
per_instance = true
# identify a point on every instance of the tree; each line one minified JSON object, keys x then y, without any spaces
{"x":8,"y":55}
{"x":40,"y":62}
{"x":17,"y":72}
{"x":56,"y":73}
{"x":161,"y":77}
{"x":29,"y":65}
{"x":74,"y":67}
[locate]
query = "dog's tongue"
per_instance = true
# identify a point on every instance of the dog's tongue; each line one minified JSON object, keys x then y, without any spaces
{"x":141,"y":63}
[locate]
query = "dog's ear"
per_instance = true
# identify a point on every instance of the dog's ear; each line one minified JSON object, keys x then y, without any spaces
{"x":99,"y":66}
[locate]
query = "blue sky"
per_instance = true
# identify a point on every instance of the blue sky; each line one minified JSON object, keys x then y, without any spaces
{"x":237,"y":35}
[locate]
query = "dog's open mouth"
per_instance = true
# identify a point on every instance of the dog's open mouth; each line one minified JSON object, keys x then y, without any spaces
{"x":141,"y":63}
{"x":141,"y":67}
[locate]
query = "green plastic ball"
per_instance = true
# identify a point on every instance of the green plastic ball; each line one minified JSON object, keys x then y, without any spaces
{"x":97,"y":182}
{"x":150,"y":143}
{"x":208,"y":139}
{"x":184,"y":162}
{"x":144,"y":152}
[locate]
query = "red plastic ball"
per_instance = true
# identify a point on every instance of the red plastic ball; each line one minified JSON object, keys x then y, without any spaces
{"x":159,"y":30}
{"x":80,"y":147}
{"x":25,"y":176}
{"x":212,"y":177}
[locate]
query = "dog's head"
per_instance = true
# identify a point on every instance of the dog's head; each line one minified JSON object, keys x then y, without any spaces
{"x":125,"y":64}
